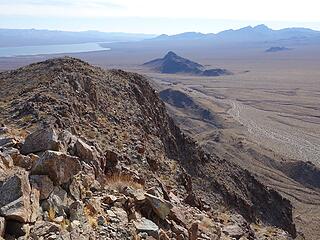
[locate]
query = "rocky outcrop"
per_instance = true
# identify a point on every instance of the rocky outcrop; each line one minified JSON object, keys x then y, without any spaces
{"x":18,"y":201}
{"x":58,"y":166}
{"x":41,"y":140}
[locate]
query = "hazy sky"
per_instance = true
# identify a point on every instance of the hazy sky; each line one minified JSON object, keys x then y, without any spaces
{"x":157,"y":16}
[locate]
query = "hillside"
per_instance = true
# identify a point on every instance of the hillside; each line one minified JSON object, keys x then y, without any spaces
{"x":88,"y":153}
{"x":171,"y":63}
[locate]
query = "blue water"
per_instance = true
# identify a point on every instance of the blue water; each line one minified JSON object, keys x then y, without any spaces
{"x":50,"y":49}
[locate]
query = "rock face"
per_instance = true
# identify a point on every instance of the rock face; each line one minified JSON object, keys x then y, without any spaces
{"x":116,"y":166}
{"x":41,"y":140}
{"x":17,"y":198}
{"x":171,"y":63}
{"x":58,"y":166}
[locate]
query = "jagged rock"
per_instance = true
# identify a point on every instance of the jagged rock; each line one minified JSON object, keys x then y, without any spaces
{"x":17,"y":200}
{"x":56,"y":204}
{"x":160,"y":207}
{"x":7,"y":142}
{"x":193,"y":231}
{"x":179,"y":230}
{"x":43,"y":184}
{"x":121,"y":214}
{"x":2,"y":226}
{"x":76,"y":211}
{"x":177,"y":215}
{"x":25,"y":162}
{"x":139,"y":196}
{"x":5,"y":161}
{"x":146,"y":225}
{"x":41,"y":140}
{"x":87,"y":154}
{"x":42,"y":228}
{"x":67,"y":141}
{"x":233,"y":231}
{"x":58,"y":166}
{"x":193,"y":200}
{"x":110,"y":199}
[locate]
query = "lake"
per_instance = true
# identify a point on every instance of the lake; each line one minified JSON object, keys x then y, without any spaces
{"x":50,"y":49}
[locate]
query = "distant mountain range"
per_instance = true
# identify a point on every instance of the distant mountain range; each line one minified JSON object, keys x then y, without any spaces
{"x":248,"y":34}
{"x":277,"y":49}
{"x":260,"y":33}
{"x":33,"y":37}
{"x":171,"y":63}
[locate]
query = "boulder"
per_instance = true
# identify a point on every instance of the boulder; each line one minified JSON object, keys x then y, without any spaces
{"x":160,"y":206}
{"x":58,"y":166}
{"x":147,"y":226}
{"x":41,"y":140}
{"x":43,"y":184}
{"x":85,"y":152}
{"x":56,"y":204}
{"x":17,"y":200}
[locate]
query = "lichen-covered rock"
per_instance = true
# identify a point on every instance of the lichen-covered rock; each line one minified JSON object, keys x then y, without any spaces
{"x":60,"y":167}
{"x":41,"y":140}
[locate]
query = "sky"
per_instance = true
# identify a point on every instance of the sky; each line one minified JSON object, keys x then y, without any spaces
{"x":158,"y":16}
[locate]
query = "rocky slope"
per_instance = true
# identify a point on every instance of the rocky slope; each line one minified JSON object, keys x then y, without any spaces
{"x":92,"y":154}
{"x":172,"y":63}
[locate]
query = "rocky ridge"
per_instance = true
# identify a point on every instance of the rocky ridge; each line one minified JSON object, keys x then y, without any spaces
{"x":92,"y":154}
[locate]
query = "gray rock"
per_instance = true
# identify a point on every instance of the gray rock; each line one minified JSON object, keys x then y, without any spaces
{"x":41,"y":140}
{"x":43,"y":184}
{"x":147,"y":226}
{"x":42,"y":228}
{"x":56,"y":203}
{"x":160,"y":206}
{"x":58,"y":166}
{"x":76,"y":212}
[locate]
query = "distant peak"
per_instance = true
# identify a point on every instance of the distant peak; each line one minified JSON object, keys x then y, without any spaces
{"x":170,"y":54}
{"x":261,"y":27}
